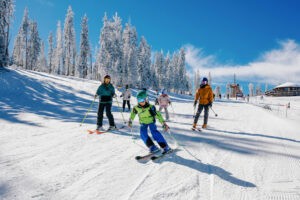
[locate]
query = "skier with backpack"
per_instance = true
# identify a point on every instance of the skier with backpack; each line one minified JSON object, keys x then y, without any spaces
{"x":147,"y":117}
{"x":106,"y":92}
{"x":126,"y":97}
{"x":205,"y":97}
{"x":164,"y":101}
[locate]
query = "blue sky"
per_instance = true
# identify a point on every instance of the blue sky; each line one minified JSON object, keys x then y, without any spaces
{"x":248,"y":37}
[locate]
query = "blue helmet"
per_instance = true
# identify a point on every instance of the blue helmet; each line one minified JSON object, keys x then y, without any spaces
{"x":204,"y":81}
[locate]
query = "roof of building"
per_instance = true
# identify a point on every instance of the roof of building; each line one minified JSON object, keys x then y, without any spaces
{"x":287,"y":84}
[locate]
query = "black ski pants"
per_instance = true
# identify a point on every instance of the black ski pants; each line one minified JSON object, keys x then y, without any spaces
{"x":107,"y":107}
{"x":124,"y":103}
{"x":206,"y":110}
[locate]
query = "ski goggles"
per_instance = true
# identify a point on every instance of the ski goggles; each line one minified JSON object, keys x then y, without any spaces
{"x":141,"y":100}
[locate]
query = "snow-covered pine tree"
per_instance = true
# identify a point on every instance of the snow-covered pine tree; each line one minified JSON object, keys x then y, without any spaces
{"x":90,"y":66}
{"x":42,"y":62}
{"x":18,"y":49}
{"x":6,"y":13}
{"x":163,"y":76}
{"x":168,"y":73}
{"x":174,"y":61}
{"x":197,"y":79}
{"x":58,"y":66}
{"x":184,"y":84}
{"x":21,"y":42}
{"x":34,"y":46}
{"x":82,"y":66}
{"x":116,"y":51}
{"x":209,"y":79}
{"x":258,"y":90}
{"x":251,"y":89}
{"x":158,"y":67}
{"x":144,"y":64}
{"x":129,"y":64}
{"x":154,"y":78}
{"x":124,"y":71}
{"x":50,"y":53}
{"x":103,"y":61}
{"x":69,"y":47}
{"x":95,"y":73}
{"x":109,"y":58}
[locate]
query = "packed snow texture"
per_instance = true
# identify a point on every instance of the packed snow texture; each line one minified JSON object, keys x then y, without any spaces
{"x":248,"y":151}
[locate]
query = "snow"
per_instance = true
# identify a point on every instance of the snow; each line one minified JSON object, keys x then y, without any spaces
{"x":287,"y":84}
{"x":248,"y":152}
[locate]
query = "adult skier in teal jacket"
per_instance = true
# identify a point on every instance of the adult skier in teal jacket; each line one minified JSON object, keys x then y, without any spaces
{"x":106,"y":92}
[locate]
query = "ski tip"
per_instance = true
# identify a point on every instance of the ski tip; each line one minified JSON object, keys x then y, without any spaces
{"x":138,"y":157}
{"x":90,"y":131}
{"x":99,"y":132}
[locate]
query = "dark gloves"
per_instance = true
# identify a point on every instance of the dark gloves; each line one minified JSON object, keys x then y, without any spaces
{"x":165,"y":127}
{"x":210,"y":104}
{"x":195,"y":104}
{"x":130,"y":124}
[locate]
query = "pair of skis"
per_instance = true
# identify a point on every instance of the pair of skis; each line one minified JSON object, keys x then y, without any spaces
{"x":153,"y":156}
{"x":101,"y":132}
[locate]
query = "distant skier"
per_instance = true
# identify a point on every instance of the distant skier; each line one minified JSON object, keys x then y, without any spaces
{"x":164,"y":101}
{"x":205,"y":96}
{"x":156,"y":98}
{"x":126,"y":98}
{"x":106,"y":92}
{"x":147,"y":116}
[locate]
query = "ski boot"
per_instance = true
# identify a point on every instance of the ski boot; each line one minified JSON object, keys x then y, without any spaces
{"x":153,"y":149}
{"x":100,"y":128}
{"x":167,"y":149}
{"x":112,"y":128}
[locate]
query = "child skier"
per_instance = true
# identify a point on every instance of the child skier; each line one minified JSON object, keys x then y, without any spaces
{"x":105,"y":91}
{"x":164,"y":102}
{"x":126,"y":98}
{"x":205,"y":96}
{"x":147,"y":114}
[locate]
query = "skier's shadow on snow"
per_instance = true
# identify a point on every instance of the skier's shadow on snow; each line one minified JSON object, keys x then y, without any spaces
{"x":209,"y":169}
{"x":254,"y":135}
{"x":3,"y":189}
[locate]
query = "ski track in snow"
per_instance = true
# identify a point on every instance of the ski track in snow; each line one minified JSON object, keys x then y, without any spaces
{"x":246,"y":153}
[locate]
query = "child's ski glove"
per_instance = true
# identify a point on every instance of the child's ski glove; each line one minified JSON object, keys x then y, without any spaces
{"x":165,"y":126}
{"x":130,"y":124}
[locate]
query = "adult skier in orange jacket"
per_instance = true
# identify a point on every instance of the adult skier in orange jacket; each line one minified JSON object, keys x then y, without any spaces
{"x":205,"y":96}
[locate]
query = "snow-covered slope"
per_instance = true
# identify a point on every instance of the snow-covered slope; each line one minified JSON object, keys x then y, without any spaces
{"x":247,"y":152}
